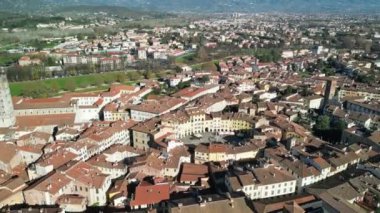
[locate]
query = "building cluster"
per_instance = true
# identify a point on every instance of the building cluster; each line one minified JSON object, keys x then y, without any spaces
{"x":245,"y":134}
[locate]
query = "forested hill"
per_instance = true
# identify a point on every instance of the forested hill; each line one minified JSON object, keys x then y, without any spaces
{"x":306,"y":6}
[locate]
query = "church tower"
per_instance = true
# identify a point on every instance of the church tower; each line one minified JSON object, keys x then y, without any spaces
{"x":7,"y":116}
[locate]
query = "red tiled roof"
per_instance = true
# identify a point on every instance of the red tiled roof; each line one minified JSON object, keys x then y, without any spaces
{"x":45,"y":120}
{"x":217,"y":148}
{"x":150,"y":194}
{"x":189,"y":92}
{"x":121,"y":87}
{"x":87,"y":174}
{"x":192,"y":172}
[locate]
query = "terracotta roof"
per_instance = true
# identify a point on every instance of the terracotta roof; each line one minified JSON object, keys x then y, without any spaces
{"x":174,"y":156}
{"x":122,"y":87}
{"x":41,"y":103}
{"x":235,"y":183}
{"x":158,"y":106}
{"x":217,"y":148}
{"x":86,"y":174}
{"x":149,"y":126}
{"x":37,"y":149}
{"x":335,"y":203}
{"x":375,"y":137}
{"x":192,"y":172}
{"x":213,"y":204}
{"x":45,"y":120}
{"x":321,"y":162}
{"x":189,"y":92}
{"x":7,"y":152}
{"x":274,"y":207}
{"x":42,"y":135}
{"x":52,"y":183}
{"x":272,"y":175}
{"x":150,"y":194}
{"x":56,"y":159}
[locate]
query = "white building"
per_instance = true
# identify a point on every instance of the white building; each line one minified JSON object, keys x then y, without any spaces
{"x":7,"y":116}
{"x":263,"y":183}
{"x":287,"y":54}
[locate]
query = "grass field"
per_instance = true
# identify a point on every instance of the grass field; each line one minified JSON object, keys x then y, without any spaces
{"x":83,"y":83}
{"x":186,"y":58}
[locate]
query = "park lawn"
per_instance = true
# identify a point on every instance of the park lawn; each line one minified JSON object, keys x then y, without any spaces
{"x":17,"y":87}
{"x":186,"y":58}
{"x":84,"y":83}
{"x":199,"y":65}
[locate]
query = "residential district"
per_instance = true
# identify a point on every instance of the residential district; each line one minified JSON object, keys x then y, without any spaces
{"x":294,"y":133}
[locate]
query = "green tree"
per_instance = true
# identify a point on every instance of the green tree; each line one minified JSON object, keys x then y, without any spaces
{"x":36,"y":72}
{"x":50,"y":61}
{"x":340,"y":125}
{"x":323,"y":123}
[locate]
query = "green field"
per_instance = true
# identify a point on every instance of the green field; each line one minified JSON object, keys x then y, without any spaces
{"x":186,"y":58}
{"x":81,"y":83}
{"x":84,"y":83}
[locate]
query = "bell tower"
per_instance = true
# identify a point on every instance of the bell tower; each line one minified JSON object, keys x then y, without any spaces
{"x":7,"y":116}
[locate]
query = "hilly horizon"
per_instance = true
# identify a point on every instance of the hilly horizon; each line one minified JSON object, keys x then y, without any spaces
{"x":297,"y":6}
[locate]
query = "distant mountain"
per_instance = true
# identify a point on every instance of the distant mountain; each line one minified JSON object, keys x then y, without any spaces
{"x":307,"y":6}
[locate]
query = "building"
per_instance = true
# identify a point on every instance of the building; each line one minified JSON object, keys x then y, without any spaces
{"x":263,"y":183}
{"x":7,"y":116}
{"x":144,"y":134}
{"x":80,"y":179}
{"x":226,"y":152}
{"x":368,"y":93}
{"x":10,"y":157}
{"x":11,"y":192}
{"x":330,"y":90}
{"x":193,"y":174}
{"x":363,"y":106}
{"x":47,"y":190}
{"x":72,"y":203}
{"x":229,"y":203}
{"x":155,"y":107}
{"x":147,"y":195}
{"x":185,"y":123}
